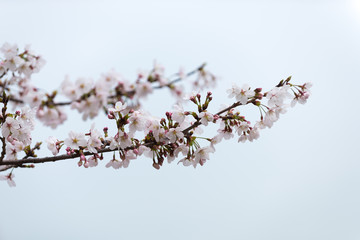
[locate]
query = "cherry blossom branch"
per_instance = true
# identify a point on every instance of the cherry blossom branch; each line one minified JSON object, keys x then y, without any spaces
{"x":105,"y":148}
{"x":27,"y":160}
{"x":163,"y":139}
{"x":128,"y":93}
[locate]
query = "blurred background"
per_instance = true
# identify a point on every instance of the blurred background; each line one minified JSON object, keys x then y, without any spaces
{"x":300,"y":180}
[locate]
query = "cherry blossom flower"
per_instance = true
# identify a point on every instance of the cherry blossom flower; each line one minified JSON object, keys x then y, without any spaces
{"x":94,"y":140}
{"x":83,"y":85}
{"x":143,"y":89}
{"x":242,"y":138}
{"x":8,"y":50}
{"x":124,"y":140}
{"x":188,"y":162}
{"x":27,"y":117}
{"x":51,"y":116}
{"x":241,"y":94}
{"x":68,"y":89}
{"x":215,"y":140}
{"x":75,"y":140}
{"x":114,"y":163}
{"x":253,"y":134}
{"x":206,"y":117}
{"x":174,"y":134}
{"x":226,"y":134}
{"x":52,"y":145}
{"x":89,"y":107}
{"x":243,"y":127}
{"x":23,"y":134}
{"x":11,"y":125}
{"x":183,"y":149}
{"x":137,"y":121}
{"x":9,"y":179}
{"x":92,"y":161}
{"x":277,"y":95}
{"x":11,"y":152}
{"x":178,"y":114}
{"x":119,"y":106}
{"x":202,"y":154}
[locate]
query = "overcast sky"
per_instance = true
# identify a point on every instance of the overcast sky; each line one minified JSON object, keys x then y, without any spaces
{"x":300,"y":180}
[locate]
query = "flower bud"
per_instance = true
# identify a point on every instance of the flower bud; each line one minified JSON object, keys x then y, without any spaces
{"x":82,"y":157}
{"x":192,"y":98}
{"x":258,"y":90}
{"x":136,"y":151}
{"x":156,"y":165}
{"x":86,"y":164}
{"x":111,"y":115}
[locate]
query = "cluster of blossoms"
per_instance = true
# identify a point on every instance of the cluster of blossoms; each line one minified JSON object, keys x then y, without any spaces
{"x":85,"y":95}
{"x":175,"y":136}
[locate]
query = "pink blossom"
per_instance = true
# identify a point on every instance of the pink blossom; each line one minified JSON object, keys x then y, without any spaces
{"x":241,"y":94}
{"x":116,"y":164}
{"x":75,"y":140}
{"x":119,"y":106}
{"x":178,"y":114}
{"x":137,"y":122}
{"x":202,"y":154}
{"x":52,"y":145}
{"x":9,"y":179}
{"x":94,"y":140}
{"x":174,"y":134}
{"x":8,"y":50}
{"x":206,"y":117}
{"x":11,"y":125}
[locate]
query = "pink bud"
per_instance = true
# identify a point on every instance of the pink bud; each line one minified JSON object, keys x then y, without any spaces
{"x":258,"y":89}
{"x":111,"y":116}
{"x":156,"y":165}
{"x":86,"y":164}
{"x":82,"y":157}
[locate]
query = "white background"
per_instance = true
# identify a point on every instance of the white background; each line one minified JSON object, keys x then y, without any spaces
{"x":300,"y":180}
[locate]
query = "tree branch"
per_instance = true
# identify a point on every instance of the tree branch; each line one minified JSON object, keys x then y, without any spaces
{"x":17,"y":163}
{"x":200,"y":68}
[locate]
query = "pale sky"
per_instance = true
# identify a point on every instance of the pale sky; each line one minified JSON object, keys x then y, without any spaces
{"x":300,"y":180}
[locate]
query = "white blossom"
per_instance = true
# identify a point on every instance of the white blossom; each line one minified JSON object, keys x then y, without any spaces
{"x":75,"y":140}
{"x":52,"y":145}
{"x":9,"y":179}
{"x":119,"y":106}
{"x":206,"y":117}
{"x":174,"y":134}
{"x":178,"y":114}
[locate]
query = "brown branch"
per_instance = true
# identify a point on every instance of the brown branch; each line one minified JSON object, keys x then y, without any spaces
{"x":3,"y":151}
